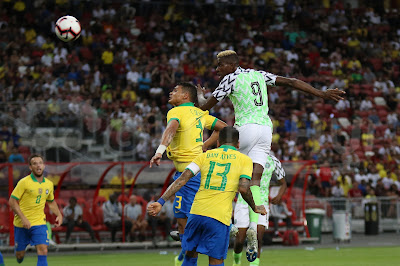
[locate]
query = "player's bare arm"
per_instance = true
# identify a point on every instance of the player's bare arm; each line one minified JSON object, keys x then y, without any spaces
{"x":166,"y":139}
{"x":244,"y":189}
{"x":330,"y":94}
{"x":16,"y":209}
{"x":210,"y":103}
{"x":214,"y":136}
{"x":154,"y":208}
{"x":281,"y":192}
{"x":54,"y":208}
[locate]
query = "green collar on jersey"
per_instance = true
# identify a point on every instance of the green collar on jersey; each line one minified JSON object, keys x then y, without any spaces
{"x":186,"y":104}
{"x":226,"y":147}
{"x":35,"y":180}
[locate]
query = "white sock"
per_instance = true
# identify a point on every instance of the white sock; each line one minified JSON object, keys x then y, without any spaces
{"x":253,"y":225}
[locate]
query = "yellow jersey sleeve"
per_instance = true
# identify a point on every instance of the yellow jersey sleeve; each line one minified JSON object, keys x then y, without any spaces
{"x":210,"y":121}
{"x":247,"y":167}
{"x":19,"y":190}
{"x":199,"y":160}
{"x":50,"y":196}
{"x":174,"y":114}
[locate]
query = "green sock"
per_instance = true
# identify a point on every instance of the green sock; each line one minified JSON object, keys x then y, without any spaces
{"x":237,"y":257}
{"x":256,"y":262}
{"x":255,"y":191}
{"x":49,"y":232}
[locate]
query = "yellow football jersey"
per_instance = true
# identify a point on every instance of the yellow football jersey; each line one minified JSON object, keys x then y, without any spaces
{"x":221,"y":170}
{"x":32,"y":197}
{"x":188,"y":140}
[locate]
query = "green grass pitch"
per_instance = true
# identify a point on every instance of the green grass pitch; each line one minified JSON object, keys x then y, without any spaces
{"x":297,"y":257}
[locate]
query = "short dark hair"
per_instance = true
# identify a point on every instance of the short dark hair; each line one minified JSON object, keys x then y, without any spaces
{"x":35,"y":155}
{"x":191,"y":89}
{"x":72,"y":199}
{"x":229,"y":135}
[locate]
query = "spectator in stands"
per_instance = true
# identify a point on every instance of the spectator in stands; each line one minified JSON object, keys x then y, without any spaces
{"x":161,"y":220}
{"x":280,"y":212}
{"x":15,"y":137}
{"x":325,"y":176}
{"x":133,"y":213}
{"x":3,"y":156}
{"x":73,"y":217}
{"x":15,"y":156}
{"x":112,"y":211}
{"x":370,"y":197}
{"x":355,"y":191}
{"x":366,"y":104}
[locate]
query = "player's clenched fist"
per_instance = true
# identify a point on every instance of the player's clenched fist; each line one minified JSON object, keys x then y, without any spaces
{"x":154,"y":208}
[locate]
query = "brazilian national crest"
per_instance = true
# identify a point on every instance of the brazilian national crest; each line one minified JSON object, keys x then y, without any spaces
{"x":40,"y":190}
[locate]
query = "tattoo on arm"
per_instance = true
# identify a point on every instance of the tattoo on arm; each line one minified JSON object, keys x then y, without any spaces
{"x":244,"y":188}
{"x":177,"y":184}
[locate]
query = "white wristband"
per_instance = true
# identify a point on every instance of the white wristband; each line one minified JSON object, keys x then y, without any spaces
{"x":161,"y":149}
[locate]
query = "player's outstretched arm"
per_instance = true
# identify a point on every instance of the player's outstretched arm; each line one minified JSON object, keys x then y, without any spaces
{"x":16,"y":209}
{"x":215,"y":135}
{"x":166,"y":139}
{"x":330,"y":94}
{"x":154,"y":208}
{"x":205,"y":104}
{"x":54,"y":208}
{"x":244,"y":189}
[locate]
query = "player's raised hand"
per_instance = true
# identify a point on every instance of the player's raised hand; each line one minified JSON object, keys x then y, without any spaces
{"x":200,"y":95}
{"x":200,"y":90}
{"x":261,"y":210}
{"x":25,"y":223}
{"x":154,"y":208}
{"x":59,"y":220}
{"x":334,"y":94}
{"x":156,"y":159}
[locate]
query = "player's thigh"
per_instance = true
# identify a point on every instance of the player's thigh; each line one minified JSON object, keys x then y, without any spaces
{"x":207,"y":235}
{"x":248,"y":137}
{"x":185,"y":196}
{"x":39,"y":235}
{"x":21,"y":238}
{"x":241,"y":215}
{"x":259,"y":152}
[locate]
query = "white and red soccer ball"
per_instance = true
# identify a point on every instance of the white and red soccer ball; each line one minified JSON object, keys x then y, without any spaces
{"x":68,"y":28}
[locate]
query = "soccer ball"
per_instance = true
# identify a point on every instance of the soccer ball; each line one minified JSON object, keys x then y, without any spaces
{"x":68,"y":28}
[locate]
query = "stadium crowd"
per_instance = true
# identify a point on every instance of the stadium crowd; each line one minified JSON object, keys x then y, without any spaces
{"x":116,"y":77}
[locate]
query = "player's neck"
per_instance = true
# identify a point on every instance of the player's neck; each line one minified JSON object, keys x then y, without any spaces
{"x":185,"y":103}
{"x":38,"y":178}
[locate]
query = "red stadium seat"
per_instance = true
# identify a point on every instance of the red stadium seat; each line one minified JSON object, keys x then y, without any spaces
{"x":4,"y":216}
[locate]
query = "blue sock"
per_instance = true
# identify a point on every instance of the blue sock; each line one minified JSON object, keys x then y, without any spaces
{"x":222,"y":264}
{"x":1,"y":260}
{"x":42,"y":260}
{"x":189,"y":261}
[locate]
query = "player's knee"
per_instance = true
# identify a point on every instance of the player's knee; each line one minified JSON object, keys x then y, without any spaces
{"x":42,"y":250}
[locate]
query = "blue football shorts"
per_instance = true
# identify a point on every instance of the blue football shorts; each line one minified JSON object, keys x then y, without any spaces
{"x":35,"y":235}
{"x":185,"y":196}
{"x":206,"y":236}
